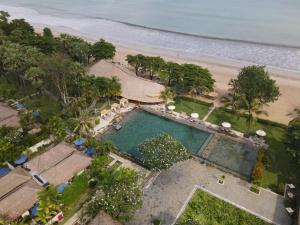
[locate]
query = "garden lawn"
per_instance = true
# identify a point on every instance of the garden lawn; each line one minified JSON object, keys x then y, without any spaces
{"x":74,"y":195}
{"x":282,"y":168}
{"x":209,"y":210}
{"x":189,"y":106}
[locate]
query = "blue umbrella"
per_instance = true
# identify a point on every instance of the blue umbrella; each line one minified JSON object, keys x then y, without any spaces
{"x":20,"y":106}
{"x":33,"y":210}
{"x":22,"y":159}
{"x":61,"y":187}
{"x":4,"y":170}
{"x":79,"y":141}
{"x":90,"y":151}
{"x":36,"y":113}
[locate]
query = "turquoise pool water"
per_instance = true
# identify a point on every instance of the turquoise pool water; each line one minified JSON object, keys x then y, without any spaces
{"x":140,"y":125}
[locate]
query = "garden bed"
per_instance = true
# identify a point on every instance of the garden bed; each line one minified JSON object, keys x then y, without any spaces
{"x":207,"y":209}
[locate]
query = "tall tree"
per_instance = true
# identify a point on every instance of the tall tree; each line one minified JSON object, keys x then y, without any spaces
{"x":103,"y":50}
{"x":197,"y":78}
{"x":136,"y":61}
{"x":153,"y":65}
{"x":170,"y":73}
{"x":16,"y":59}
{"x":253,"y":88}
{"x":77,"y":48}
{"x":62,"y":75}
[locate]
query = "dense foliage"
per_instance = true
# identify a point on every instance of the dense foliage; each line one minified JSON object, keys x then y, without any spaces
{"x":118,"y":192}
{"x":103,"y":50}
{"x":49,"y":204}
{"x":162,"y":151}
{"x":206,"y":209}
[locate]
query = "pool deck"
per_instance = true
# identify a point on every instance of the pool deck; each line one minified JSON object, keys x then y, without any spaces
{"x":170,"y":192}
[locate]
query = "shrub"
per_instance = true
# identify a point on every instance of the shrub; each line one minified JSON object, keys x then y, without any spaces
{"x":281,"y":188}
{"x":156,"y":221}
{"x":258,"y":171}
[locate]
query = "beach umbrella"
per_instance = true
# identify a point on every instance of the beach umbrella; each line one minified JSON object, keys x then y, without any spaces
{"x":20,"y":106}
{"x":171,"y":107}
{"x":226,"y":125}
{"x":195,"y":115}
{"x":4,"y":170}
{"x":61,"y":187}
{"x":34,"y":210}
{"x":79,"y":141}
{"x":90,"y":151}
{"x":261,"y":133}
{"x":21,"y":160}
{"x":36,"y":113}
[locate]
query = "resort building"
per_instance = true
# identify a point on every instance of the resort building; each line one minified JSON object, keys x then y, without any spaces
{"x":18,"y":193}
{"x":133,"y":88}
{"x":19,"y":188}
{"x":8,"y":116}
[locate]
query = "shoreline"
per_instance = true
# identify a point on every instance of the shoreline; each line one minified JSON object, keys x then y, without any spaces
{"x":173,"y":55}
{"x":288,"y":81}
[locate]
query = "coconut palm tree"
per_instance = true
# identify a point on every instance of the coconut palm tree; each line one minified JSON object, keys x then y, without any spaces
{"x":84,"y":124}
{"x":167,"y":94}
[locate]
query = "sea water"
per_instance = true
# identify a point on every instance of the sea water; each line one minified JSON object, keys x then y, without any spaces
{"x":257,"y":31}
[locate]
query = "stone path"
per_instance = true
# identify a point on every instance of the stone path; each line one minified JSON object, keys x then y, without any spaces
{"x":170,"y":191}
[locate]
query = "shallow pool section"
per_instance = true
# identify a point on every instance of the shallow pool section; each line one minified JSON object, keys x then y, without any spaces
{"x":140,"y":125}
{"x":237,"y":156}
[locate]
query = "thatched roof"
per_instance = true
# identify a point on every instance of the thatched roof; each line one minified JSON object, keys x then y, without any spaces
{"x":13,"y":180}
{"x":67,"y":168}
{"x":21,"y":200}
{"x":8,"y":116}
{"x":104,"y":219}
{"x":50,"y":158}
{"x":132,"y":87}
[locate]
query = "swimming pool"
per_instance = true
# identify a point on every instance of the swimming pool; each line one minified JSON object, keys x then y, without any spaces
{"x":140,"y":125}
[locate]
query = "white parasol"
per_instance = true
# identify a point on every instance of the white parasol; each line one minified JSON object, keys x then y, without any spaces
{"x":226,"y":125}
{"x":171,"y":107}
{"x":261,"y":133}
{"x":195,"y":115}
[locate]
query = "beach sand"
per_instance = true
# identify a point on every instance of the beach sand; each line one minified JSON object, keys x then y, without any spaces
{"x":280,"y":111}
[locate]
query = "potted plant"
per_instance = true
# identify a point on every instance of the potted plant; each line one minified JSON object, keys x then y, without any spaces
{"x":221,"y":180}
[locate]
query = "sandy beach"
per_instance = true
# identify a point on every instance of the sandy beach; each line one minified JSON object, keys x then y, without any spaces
{"x":280,"y":111}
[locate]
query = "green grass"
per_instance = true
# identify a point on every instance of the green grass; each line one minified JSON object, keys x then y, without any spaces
{"x":74,"y":194}
{"x":209,"y":210}
{"x":189,"y":106}
{"x":282,"y":168}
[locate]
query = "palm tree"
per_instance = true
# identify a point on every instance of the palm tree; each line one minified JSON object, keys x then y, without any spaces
{"x":167,"y":94}
{"x":84,"y":124}
{"x":252,"y":111}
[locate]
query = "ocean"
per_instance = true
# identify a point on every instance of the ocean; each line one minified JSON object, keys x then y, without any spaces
{"x":253,"y":31}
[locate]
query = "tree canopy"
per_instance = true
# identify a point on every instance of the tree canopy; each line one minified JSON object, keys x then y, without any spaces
{"x":103,"y":50}
{"x":162,"y":151}
{"x":251,"y":90}
{"x":293,"y":138}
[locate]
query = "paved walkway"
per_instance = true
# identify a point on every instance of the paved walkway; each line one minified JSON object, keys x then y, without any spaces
{"x":170,"y":191}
